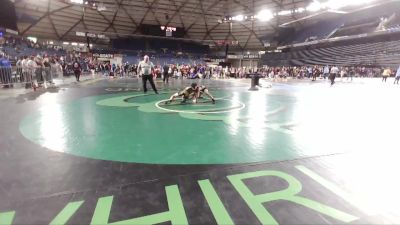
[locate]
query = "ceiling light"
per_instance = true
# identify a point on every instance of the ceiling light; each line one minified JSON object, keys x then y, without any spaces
{"x":300,"y":10}
{"x":265,"y":15}
{"x":337,"y":4}
{"x":314,"y":6}
{"x":77,"y":1}
{"x":284,"y":12}
{"x":238,"y":18}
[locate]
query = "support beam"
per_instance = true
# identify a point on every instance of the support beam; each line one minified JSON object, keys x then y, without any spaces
{"x":178,"y":9}
{"x":44,"y":16}
{"x":252,"y":31}
{"x":215,"y":3}
{"x":73,"y":26}
{"x":152,"y":10}
{"x":144,"y":17}
{"x":111,"y":23}
{"x":51,"y":21}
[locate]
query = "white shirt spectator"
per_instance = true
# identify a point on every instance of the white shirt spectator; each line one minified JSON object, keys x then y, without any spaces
{"x":31,"y":64}
{"x":326,"y":69}
{"x":24,"y":65}
{"x":335,"y":70}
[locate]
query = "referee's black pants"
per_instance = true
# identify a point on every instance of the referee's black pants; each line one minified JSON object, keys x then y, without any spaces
{"x":332,"y":78}
{"x":166,"y":77}
{"x":150,"y":79}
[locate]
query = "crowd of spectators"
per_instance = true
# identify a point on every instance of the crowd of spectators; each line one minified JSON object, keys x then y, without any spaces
{"x":43,"y":67}
{"x":185,"y":71}
{"x":322,"y":71}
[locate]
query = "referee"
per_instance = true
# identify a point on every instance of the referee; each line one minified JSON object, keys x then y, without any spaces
{"x":145,"y":68}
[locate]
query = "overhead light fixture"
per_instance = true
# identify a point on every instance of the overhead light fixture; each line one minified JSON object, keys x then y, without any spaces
{"x":284,"y":13}
{"x":65,"y":43}
{"x":238,"y":18}
{"x":265,"y":15}
{"x":337,"y":4}
{"x":74,"y":43}
{"x":314,"y":6}
{"x":101,"y":7}
{"x":77,"y":1}
{"x":330,"y":5}
{"x":300,"y":10}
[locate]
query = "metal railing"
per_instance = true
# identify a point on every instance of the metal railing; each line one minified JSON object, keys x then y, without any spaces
{"x":11,"y":76}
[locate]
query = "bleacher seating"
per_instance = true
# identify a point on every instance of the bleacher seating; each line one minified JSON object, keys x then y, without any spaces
{"x":357,"y":27}
{"x":394,"y":24}
{"x":159,"y":45}
{"x":166,"y":58}
{"x":22,"y":50}
{"x":384,"y":53}
{"x":320,"y":30}
{"x":161,"y":51}
{"x":129,"y":44}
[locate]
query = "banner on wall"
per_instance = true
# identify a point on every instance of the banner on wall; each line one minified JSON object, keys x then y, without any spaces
{"x":250,"y":56}
{"x":214,"y":60}
{"x":104,"y":56}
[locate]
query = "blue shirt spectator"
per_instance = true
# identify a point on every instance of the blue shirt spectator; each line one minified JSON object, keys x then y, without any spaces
{"x":1,"y":61}
{"x":5,"y":63}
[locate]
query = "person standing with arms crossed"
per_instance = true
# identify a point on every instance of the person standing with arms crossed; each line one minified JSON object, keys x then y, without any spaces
{"x":145,"y":68}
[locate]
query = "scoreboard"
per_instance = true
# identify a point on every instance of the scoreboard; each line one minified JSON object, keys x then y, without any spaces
{"x":162,"y":31}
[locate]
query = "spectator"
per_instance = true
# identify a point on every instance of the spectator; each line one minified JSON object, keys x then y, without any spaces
{"x":31,"y":68}
{"x":47,"y":70}
{"x":397,"y":77}
{"x":166,"y":72}
{"x":326,"y":71}
{"x":386,"y":73}
{"x":334,"y":73}
{"x":77,"y":69}
{"x":5,"y":71}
